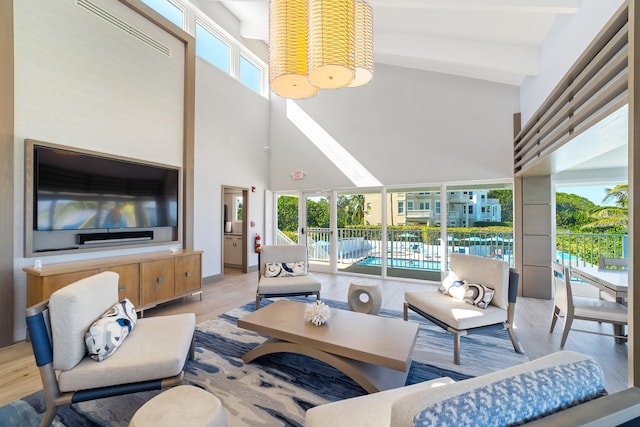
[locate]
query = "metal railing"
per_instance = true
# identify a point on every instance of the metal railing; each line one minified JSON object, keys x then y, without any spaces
{"x":584,"y":249}
{"x":421,"y":249}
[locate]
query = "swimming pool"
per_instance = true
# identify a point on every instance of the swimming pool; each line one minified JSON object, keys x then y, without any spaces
{"x":415,"y":264}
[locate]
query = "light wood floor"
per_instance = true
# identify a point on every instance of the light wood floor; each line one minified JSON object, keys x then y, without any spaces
{"x":20,"y":375}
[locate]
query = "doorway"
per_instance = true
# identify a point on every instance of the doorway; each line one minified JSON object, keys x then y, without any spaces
{"x":235,"y":208}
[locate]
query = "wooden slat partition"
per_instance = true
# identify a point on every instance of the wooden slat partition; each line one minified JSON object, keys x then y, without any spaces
{"x":593,"y":88}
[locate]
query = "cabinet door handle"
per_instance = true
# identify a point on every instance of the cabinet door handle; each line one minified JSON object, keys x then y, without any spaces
{"x":121,"y":288}
{"x":160,"y":279}
{"x":188,"y":274}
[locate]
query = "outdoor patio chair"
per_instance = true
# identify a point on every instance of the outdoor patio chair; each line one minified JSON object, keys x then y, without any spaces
{"x":152,"y":356}
{"x":570,"y":307}
{"x":275,"y":279}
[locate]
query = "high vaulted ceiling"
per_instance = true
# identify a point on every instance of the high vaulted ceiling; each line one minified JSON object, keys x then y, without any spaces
{"x":494,"y":40}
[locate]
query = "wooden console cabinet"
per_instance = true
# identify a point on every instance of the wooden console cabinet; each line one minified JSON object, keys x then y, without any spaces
{"x":146,"y":279}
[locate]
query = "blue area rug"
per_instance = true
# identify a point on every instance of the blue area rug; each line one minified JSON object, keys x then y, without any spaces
{"x":276,"y":389}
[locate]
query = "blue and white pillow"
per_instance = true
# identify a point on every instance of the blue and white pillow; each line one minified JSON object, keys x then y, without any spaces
{"x":279,"y":269}
{"x":477,"y":294}
{"x":107,"y":333}
{"x":462,"y":290}
{"x":518,"y":399}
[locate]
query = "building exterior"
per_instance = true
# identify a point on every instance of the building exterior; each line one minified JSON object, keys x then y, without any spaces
{"x":464,"y":208}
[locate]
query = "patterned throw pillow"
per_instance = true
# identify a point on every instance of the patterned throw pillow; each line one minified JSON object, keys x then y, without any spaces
{"x":107,"y":333}
{"x":518,"y":399}
{"x":477,"y":294}
{"x":279,"y":269}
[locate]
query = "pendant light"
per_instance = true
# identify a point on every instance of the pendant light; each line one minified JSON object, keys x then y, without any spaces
{"x":363,"y":43}
{"x":331,"y":43}
{"x":288,"y":49}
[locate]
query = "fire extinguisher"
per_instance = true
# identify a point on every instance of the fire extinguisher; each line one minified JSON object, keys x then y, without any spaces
{"x":258,"y":243}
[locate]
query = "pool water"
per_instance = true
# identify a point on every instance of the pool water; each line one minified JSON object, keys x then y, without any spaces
{"x":375,"y":261}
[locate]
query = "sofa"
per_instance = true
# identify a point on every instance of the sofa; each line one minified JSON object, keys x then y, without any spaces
{"x":537,"y":392}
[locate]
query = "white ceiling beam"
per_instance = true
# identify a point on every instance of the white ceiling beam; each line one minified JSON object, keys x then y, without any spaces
{"x":508,"y":57}
{"x":471,"y":71}
{"x":522,"y":6}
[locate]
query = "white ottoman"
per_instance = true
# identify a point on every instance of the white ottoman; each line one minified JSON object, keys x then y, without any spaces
{"x":182,"y":405}
{"x":365,"y":297}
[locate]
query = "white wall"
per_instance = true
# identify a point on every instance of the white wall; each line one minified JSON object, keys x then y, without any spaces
{"x":232,"y":128}
{"x":567,"y":39}
{"x":406,"y":127}
{"x":83,"y":83}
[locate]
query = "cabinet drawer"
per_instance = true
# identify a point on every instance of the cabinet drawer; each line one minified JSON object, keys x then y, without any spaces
{"x":129,"y":282}
{"x":157,"y":280}
{"x":188,"y":274}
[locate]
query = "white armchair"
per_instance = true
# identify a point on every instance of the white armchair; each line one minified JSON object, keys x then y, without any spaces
{"x":152,"y":356}
{"x":460,"y":318}
{"x":285,"y":285}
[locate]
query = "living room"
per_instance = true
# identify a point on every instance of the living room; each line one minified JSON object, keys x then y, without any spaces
{"x":80,"y":82}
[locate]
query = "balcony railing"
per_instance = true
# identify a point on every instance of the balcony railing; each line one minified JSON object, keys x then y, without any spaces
{"x":408,"y":249}
{"x":583,"y":249}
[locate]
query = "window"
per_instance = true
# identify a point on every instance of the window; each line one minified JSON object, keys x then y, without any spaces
{"x":238,"y":206}
{"x":424,"y":206}
{"x":250,"y":75}
{"x":400,"y":208}
{"x":410,"y":205}
{"x":212,"y":48}
{"x":437,"y":207}
{"x":167,"y":9}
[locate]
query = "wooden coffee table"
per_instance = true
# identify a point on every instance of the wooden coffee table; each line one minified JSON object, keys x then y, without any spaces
{"x":374,"y":351}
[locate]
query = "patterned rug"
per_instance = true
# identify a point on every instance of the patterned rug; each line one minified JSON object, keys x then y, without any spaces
{"x":275,"y":389}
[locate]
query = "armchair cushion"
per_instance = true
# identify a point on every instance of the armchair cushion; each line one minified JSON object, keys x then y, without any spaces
{"x":288,"y":284}
{"x":157,"y":348}
{"x":453,"y":312}
{"x":107,"y":333}
{"x":72,"y":310}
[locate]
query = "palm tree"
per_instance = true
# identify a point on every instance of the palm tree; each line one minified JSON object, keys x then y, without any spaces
{"x":356,"y":205}
{"x":607,"y":217}
{"x":620,"y":193}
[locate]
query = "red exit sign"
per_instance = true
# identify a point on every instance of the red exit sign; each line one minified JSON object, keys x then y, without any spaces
{"x":297,"y":175}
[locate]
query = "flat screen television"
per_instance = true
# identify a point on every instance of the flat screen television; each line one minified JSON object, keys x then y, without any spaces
{"x":83,"y":198}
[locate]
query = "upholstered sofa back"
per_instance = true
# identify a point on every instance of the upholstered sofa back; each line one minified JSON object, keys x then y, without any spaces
{"x":486,"y":271}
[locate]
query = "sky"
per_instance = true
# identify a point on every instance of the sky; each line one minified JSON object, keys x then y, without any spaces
{"x":594,"y":193}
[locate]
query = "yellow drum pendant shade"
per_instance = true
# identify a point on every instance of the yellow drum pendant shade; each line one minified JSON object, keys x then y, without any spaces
{"x":331,"y":43}
{"x":363,"y":43}
{"x":288,"y":49}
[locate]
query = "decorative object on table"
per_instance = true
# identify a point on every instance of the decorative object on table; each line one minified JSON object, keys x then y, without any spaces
{"x":317,"y":313}
{"x":365,"y":297}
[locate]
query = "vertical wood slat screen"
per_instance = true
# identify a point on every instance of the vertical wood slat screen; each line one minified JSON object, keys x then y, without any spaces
{"x":592,"y":89}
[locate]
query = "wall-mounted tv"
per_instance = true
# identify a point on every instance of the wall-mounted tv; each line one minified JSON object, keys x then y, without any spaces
{"x":82,"y":198}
